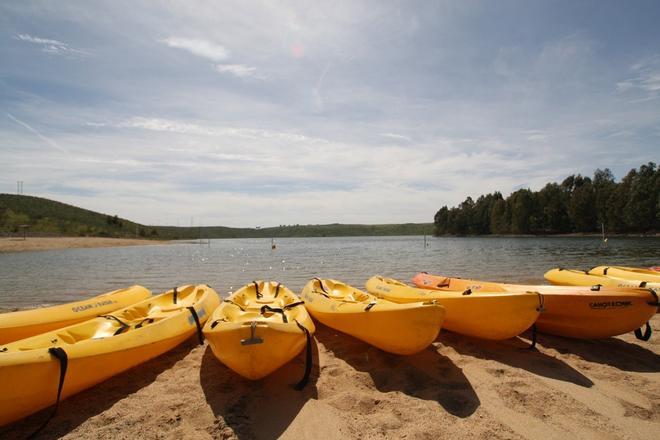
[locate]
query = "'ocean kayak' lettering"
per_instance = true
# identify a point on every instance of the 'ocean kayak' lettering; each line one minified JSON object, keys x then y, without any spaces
{"x":93,"y":306}
{"x":609,"y":304}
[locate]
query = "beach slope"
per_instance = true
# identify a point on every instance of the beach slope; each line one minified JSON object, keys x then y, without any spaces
{"x":460,"y":388}
{"x":45,"y":243}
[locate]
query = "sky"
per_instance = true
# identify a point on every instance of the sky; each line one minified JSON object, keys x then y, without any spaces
{"x":246,"y":113}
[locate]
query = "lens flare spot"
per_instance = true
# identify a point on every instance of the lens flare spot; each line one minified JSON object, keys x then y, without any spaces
{"x":297,"y":50}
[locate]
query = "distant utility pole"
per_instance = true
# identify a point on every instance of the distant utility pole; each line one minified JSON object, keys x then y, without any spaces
{"x":19,"y":187}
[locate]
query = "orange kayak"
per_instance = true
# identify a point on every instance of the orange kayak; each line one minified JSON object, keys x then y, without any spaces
{"x":571,"y":311}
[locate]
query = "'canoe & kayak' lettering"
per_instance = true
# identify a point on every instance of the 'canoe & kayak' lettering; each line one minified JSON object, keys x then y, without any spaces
{"x":609,"y":304}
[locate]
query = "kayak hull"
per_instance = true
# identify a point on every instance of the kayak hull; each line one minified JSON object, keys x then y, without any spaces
{"x":627,"y":273}
{"x":595,"y":316}
{"x":572,"y":311}
{"x":279,"y":346}
{"x":249,"y":337}
{"x":402,"y":329}
{"x":96,"y":351}
{"x":38,"y":380}
{"x":485,"y":315}
{"x":570,"y":277}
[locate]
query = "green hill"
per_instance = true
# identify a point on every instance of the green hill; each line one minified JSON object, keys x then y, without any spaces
{"x":46,"y":216}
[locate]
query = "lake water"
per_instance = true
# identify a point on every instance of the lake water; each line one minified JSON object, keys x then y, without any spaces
{"x":51,"y":277}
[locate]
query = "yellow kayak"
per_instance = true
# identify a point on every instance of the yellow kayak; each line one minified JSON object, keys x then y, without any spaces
{"x":486,"y":315}
{"x":627,"y":273}
{"x":259,"y":328}
{"x":26,"y":323}
{"x":37,"y":371}
{"x":393,"y":327}
{"x":574,"y":277}
{"x":571,"y":311}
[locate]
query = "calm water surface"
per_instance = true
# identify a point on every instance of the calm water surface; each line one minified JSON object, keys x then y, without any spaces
{"x":51,"y":277}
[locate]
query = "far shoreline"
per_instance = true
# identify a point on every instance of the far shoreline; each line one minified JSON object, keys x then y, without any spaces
{"x":29,"y":244}
{"x":571,"y":234}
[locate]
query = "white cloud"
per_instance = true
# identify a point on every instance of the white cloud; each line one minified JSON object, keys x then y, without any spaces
{"x":646,"y":79}
{"x":168,"y":125}
{"x":51,"y":46}
{"x":156,"y":124}
{"x":201,"y":48}
{"x":398,"y":137}
{"x":535,"y":135}
{"x":239,"y":70}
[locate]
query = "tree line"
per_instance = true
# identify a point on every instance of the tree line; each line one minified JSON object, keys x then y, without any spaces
{"x":578,"y":204}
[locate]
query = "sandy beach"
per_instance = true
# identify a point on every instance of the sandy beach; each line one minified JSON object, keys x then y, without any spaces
{"x":458,"y":388}
{"x":17,"y":244}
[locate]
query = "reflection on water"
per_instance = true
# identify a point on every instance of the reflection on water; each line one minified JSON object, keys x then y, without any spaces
{"x":49,"y":277}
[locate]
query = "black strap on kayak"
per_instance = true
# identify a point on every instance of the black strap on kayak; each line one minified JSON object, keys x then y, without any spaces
{"x":541,"y":307}
{"x":233,"y":303}
{"x":123,"y":325}
{"x":200,"y":335}
{"x":605,"y":270}
{"x":256,"y":287}
{"x":596,"y":287}
{"x":63,"y":359}
{"x":655,"y":295}
{"x":277,"y":289}
{"x":217,"y":321}
{"x":267,"y":308}
{"x":533,"y":344}
{"x":174,"y":295}
{"x":369,"y":306}
{"x":120,"y":330}
{"x":445,"y":283}
{"x":292,"y":305}
{"x":308,"y":359}
{"x":321,"y":285}
{"x":642,"y":284}
{"x":646,"y":335}
{"x":320,"y":292}
{"x":141,"y":323}
{"x":467,"y":292}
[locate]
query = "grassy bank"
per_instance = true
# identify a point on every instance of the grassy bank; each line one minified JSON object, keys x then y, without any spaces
{"x":49,"y":217}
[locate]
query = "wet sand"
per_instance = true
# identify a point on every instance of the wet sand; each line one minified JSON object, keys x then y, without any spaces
{"x":16,"y":244}
{"x":459,"y":388}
